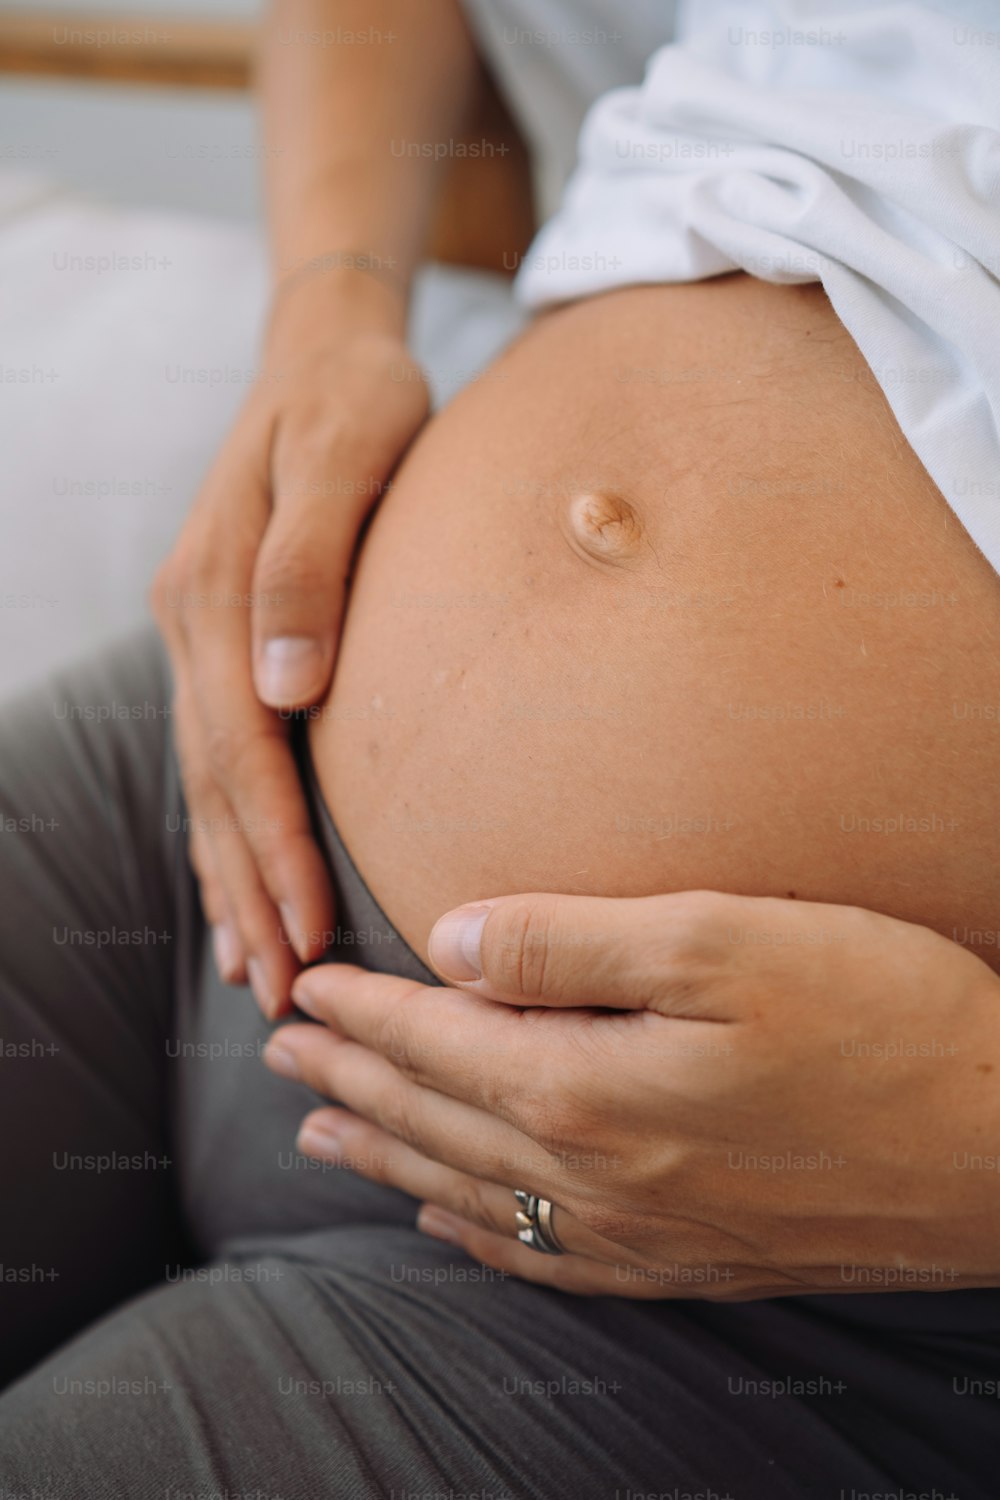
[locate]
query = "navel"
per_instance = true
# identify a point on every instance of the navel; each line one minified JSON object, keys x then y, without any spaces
{"x":603,"y":527}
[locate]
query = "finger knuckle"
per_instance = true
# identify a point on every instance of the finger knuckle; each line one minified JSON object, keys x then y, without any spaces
{"x":687,"y":949}
{"x":522,"y":957}
{"x":318,"y":427}
{"x":364,"y":1154}
{"x":199,"y":790}
{"x":273,"y":851}
{"x":469,"y":1203}
{"x":234,"y":755}
{"x":697,"y":917}
{"x":286,"y":572}
{"x":607,"y":1220}
{"x":196,"y":777}
{"x":396,"y":1038}
{"x":222,"y":750}
{"x":194,"y":574}
{"x":397,"y":1115}
{"x":555,"y":1126}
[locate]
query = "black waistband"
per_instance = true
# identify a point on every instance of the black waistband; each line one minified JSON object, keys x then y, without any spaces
{"x":362,"y":932}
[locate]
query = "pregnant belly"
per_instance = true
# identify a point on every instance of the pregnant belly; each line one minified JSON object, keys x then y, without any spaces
{"x":664,"y":601}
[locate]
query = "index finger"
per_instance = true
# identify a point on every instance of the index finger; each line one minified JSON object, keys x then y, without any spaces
{"x":252,"y":760}
{"x":300,"y":579}
{"x":472,"y":1049}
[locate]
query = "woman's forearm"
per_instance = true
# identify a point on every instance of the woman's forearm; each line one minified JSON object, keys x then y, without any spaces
{"x":353,"y":92}
{"x":277,"y":519}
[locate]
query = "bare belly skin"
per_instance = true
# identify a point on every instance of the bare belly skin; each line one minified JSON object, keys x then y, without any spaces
{"x":667,"y":602}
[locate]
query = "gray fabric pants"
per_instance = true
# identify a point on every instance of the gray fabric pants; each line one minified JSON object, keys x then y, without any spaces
{"x":189,"y":1308}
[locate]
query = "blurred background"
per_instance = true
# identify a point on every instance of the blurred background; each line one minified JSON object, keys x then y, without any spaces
{"x":129,"y":122}
{"x":132,"y":293}
{"x":130,"y":253}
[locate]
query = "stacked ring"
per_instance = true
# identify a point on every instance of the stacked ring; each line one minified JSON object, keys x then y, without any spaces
{"x":534,"y":1223}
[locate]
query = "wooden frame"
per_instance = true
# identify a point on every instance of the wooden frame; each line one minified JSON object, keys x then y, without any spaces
{"x":485,"y":215}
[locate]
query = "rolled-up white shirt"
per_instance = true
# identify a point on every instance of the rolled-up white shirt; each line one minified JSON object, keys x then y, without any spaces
{"x":858,"y":146}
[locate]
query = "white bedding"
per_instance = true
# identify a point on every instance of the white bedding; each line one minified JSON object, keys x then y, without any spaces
{"x":127,"y":342}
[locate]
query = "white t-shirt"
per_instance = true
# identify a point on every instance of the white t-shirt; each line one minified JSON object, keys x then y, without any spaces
{"x":853,"y":143}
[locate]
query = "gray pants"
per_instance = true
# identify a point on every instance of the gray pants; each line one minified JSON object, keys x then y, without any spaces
{"x":191,"y":1308}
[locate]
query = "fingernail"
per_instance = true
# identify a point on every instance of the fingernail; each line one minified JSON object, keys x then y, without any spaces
{"x":304,"y":1000}
{"x":441,"y":1225}
{"x":259,"y":985}
{"x":321,"y":1140}
{"x":294,"y":931}
{"x":289,"y":668}
{"x":453,"y":945}
{"x":280,"y":1060}
{"x":228,"y":952}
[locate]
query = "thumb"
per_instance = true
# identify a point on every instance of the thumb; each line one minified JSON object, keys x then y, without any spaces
{"x":298,"y":594}
{"x":623,"y":953}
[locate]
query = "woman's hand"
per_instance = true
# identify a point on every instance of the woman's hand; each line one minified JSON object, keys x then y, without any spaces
{"x":250,"y":601}
{"x":725,"y":1097}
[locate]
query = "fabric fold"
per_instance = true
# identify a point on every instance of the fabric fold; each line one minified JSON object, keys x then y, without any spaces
{"x":855,"y":147}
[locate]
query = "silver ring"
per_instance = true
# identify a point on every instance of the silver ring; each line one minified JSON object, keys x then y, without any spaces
{"x":534,"y":1223}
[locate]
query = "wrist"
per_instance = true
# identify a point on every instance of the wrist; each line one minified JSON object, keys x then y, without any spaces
{"x":341,"y":289}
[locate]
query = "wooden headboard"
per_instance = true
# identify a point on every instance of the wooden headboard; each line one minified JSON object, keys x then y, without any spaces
{"x":484,"y":216}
